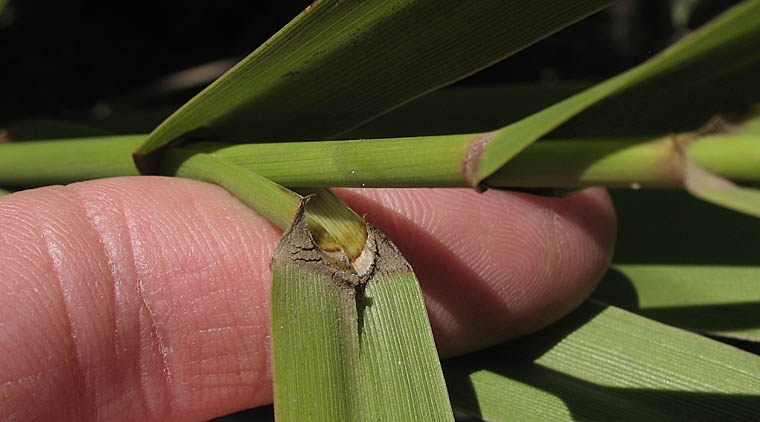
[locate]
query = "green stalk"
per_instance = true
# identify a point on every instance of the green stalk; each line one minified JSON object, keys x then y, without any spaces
{"x":4,"y":192}
{"x":439,"y":161}
{"x":569,"y":164}
{"x":652,"y":164}
{"x":436,"y":161}
{"x":40,"y":163}
{"x":400,"y":162}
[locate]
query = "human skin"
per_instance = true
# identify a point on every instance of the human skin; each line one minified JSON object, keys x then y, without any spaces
{"x":147,"y":298}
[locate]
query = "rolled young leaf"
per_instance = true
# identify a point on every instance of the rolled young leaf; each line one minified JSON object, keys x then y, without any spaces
{"x":275,"y":203}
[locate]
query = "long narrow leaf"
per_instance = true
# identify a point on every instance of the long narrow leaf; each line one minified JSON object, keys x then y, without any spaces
{"x":670,"y":266}
{"x":340,"y":63}
{"x":602,"y":363}
{"x":721,"y":300}
{"x":314,"y":336}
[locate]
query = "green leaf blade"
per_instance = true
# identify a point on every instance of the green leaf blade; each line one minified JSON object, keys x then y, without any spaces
{"x":304,"y":388}
{"x":671,"y":267}
{"x":339,"y":64}
{"x":715,"y":299}
{"x":603,"y":363}
{"x":366,"y":340}
{"x":397,"y":346}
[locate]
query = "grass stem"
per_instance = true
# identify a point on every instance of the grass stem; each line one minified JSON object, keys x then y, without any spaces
{"x":434,"y":161}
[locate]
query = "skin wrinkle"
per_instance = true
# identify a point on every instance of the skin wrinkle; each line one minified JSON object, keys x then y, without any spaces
{"x":520,"y":258}
{"x":544,"y":274}
{"x":150,"y":405}
{"x":262,"y":236}
{"x":213,"y":369}
{"x":109,"y":242}
{"x":78,"y":375}
{"x":215,"y":374}
{"x":592,"y":253}
{"x":135,"y":302}
{"x":33,"y":380}
{"x":181,"y":335}
{"x":28,"y":295}
{"x":205,"y":363}
{"x":225,"y":328}
{"x":91,"y":220}
{"x":31,"y":358}
{"x":509,"y":291}
{"x":113,"y":230}
{"x":103,"y":283}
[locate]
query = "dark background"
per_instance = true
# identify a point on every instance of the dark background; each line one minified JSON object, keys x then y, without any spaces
{"x":59,"y":57}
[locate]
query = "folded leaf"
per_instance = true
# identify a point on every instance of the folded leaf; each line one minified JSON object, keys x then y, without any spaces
{"x":351,"y":345}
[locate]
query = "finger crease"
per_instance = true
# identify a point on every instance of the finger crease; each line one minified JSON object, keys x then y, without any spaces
{"x":54,"y":256}
{"x":155,"y":330}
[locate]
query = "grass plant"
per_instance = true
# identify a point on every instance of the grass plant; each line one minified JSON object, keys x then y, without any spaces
{"x":343,"y":291}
